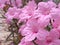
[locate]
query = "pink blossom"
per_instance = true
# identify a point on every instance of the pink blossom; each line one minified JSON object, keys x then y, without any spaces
{"x":50,"y":39}
{"x":33,"y":30}
{"x":13,"y":13}
{"x":53,"y":35}
{"x":28,"y":10}
{"x":55,"y":15}
{"x":45,"y":7}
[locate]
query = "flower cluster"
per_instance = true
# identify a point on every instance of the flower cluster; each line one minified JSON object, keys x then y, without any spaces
{"x":41,"y":22}
{"x":38,"y":19}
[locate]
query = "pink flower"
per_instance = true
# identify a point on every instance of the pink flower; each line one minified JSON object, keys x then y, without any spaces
{"x":33,"y":30}
{"x":28,"y":10}
{"x":55,"y":15}
{"x":13,"y":13}
{"x":45,"y":7}
{"x":51,"y":39}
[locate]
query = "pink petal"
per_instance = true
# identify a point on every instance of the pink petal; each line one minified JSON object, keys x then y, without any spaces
{"x":30,"y":37}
